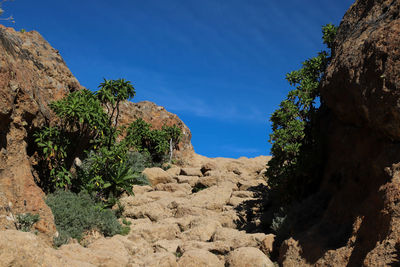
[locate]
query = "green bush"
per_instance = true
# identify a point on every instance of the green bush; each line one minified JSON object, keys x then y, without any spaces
{"x":87,"y":129}
{"x":76,"y":213}
{"x":110,"y":172}
{"x":26,"y":221}
{"x":158,"y":143}
{"x":296,"y":142}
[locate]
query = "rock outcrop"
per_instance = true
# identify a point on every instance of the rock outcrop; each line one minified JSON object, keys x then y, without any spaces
{"x":359,"y":224}
{"x":172,"y":224}
{"x":157,"y":116}
{"x":32,"y":74}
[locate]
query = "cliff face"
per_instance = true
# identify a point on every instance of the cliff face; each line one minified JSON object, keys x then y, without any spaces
{"x":360,"y":223}
{"x":32,"y":74}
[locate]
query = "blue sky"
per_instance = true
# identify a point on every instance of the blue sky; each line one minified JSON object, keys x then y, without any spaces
{"x":218,"y":64}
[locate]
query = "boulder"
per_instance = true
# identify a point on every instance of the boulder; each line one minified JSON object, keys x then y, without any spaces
{"x":161,"y":259}
{"x":174,"y":171}
{"x":201,"y":229}
{"x":191,"y":180}
{"x":191,"y":172}
{"x":199,"y":258}
{"x":209,"y":166}
{"x":157,"y":176}
{"x":248,"y":257}
{"x":174,"y":187}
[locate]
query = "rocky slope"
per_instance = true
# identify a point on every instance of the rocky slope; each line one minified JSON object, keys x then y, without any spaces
{"x":32,"y":74}
{"x":188,"y":217}
{"x":359,"y":224}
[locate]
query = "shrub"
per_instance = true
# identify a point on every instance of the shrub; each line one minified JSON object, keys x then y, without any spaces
{"x":110,"y":172}
{"x":76,"y":213}
{"x":155,"y":142}
{"x":296,"y":143}
{"x":26,"y":221}
{"x":85,"y":130}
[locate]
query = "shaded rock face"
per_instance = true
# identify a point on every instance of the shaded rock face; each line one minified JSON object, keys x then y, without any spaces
{"x":359,"y":224}
{"x":32,"y":74}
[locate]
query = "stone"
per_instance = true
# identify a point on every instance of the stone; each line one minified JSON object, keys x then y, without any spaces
{"x":267,"y":244}
{"x":243,"y":194}
{"x":165,"y":245}
{"x":140,"y":189}
{"x":209,"y":181}
{"x":213,"y":198}
{"x":201,"y":229}
{"x":161,"y":259}
{"x":236,"y":201}
{"x":157,"y":231}
{"x":235,"y":238}
{"x":191,"y":180}
{"x":199,"y":258}
{"x":157,"y":175}
{"x":248,"y":257}
{"x":209,"y":166}
{"x":191,"y":172}
{"x":174,"y":171}
{"x":174,"y":187}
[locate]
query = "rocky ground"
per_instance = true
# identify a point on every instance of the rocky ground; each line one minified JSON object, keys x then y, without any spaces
{"x":190,"y":216}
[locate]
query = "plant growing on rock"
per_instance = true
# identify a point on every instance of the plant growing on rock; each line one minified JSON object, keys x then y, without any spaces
{"x":88,"y":129}
{"x":76,"y":213}
{"x":157,"y":143}
{"x":296,"y":145}
{"x":25,"y":221}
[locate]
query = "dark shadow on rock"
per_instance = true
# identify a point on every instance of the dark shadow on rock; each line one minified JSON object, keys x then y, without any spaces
{"x":250,"y":212}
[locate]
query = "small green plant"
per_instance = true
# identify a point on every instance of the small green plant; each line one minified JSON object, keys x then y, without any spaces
{"x":76,"y":213}
{"x":25,"y":221}
{"x":126,"y":222}
{"x":125,"y":230}
{"x":178,"y":254}
{"x":22,"y":31}
{"x":198,"y":187}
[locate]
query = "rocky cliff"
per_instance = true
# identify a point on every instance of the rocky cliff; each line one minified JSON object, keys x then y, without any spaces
{"x":359,"y":224}
{"x":32,"y":74}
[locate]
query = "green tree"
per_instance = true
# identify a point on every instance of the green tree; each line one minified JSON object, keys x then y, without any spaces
{"x":111,"y":94}
{"x":87,"y":128}
{"x":296,"y":144}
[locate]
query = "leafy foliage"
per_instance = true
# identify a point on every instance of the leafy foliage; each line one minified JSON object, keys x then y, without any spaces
{"x":26,"y":221}
{"x":155,"y":142}
{"x":295,"y":139}
{"x":76,"y":213}
{"x":109,"y":172}
{"x":53,"y":146}
{"x":81,"y":111}
{"x":87,"y":129}
{"x":111,"y":93}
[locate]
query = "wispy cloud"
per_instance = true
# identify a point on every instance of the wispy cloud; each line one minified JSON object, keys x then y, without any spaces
{"x":201,"y":107}
{"x":242,"y":150}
